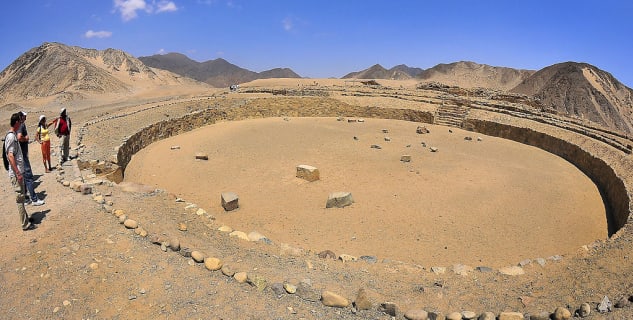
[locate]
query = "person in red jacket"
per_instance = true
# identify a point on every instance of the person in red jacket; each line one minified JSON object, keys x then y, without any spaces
{"x":62,"y":130}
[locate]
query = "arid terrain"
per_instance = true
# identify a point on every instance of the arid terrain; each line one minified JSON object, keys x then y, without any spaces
{"x":481,"y":225}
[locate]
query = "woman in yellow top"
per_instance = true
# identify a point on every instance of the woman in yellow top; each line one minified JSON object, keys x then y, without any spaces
{"x":44,"y":138}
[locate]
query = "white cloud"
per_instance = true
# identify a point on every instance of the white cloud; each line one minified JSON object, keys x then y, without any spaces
{"x":129,"y":8}
{"x":288,"y":24}
{"x":161,"y":51}
{"x":166,"y":6}
{"x":97,"y":34}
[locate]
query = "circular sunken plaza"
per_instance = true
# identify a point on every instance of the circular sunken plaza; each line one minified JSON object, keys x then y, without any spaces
{"x":507,"y":186}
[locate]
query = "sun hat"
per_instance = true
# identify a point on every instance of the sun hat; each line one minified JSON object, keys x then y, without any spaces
{"x":23,"y":113}
{"x":63,"y":110}
{"x":42,"y":117}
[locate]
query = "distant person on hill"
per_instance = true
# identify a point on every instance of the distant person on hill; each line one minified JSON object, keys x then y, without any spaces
{"x":44,"y":138}
{"x":62,"y":130}
{"x":23,"y":138}
{"x":16,"y":169}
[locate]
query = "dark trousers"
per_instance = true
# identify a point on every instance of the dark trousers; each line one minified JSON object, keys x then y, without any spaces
{"x":29,"y":180}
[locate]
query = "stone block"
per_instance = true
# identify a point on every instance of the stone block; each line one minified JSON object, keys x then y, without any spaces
{"x":202,"y":156}
{"x":339,"y":200}
{"x":308,"y":173}
{"x":230,"y":201}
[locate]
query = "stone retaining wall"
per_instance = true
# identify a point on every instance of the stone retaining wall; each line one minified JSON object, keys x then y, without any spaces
{"x":610,"y":183}
{"x":173,"y":127}
{"x":613,"y":188}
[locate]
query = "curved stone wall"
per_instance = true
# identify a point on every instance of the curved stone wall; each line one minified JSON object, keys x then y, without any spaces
{"x":609,"y":183}
{"x":605,"y":173}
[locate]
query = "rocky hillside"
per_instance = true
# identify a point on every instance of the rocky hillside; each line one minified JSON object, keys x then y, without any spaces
{"x":468,"y":74}
{"x":218,"y":72}
{"x":583,"y":91}
{"x":65,"y":72}
{"x":400,"y":72}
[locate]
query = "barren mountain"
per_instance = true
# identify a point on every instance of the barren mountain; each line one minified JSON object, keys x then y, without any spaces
{"x":468,"y":74}
{"x":218,"y":72}
{"x":584,"y":91}
{"x":66,"y":73}
{"x":377,"y":71}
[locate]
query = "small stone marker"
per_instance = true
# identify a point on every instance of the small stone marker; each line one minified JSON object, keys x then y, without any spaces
{"x":308,"y":173}
{"x":339,"y":200}
{"x":175,"y":147}
{"x":405,"y":158}
{"x":202,"y":156}
{"x":229,"y":201}
{"x":421,"y":130}
{"x":434,"y":149}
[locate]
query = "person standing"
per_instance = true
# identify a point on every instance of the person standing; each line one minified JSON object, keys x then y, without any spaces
{"x":62,"y":129}
{"x":44,"y":138}
{"x":23,"y":138}
{"x":16,"y":169}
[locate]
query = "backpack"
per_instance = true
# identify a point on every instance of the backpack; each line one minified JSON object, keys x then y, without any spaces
{"x":4,"y":154}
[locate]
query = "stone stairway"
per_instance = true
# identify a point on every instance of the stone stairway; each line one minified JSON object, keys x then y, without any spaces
{"x":451,"y":115}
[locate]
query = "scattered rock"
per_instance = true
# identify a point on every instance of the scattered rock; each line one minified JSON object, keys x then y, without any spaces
{"x":239,"y":234}
{"x":225,"y":229}
{"x":605,"y":305}
{"x":454,"y":316}
{"x":255,"y":236}
{"x":327,"y":254}
{"x":278,"y":289}
{"x":182,"y":226}
{"x":130,"y":224}
{"x":405,"y":158}
{"x":290,"y":288}
{"x":389,"y":308}
{"x":332,"y":299}
{"x":362,"y":301}
{"x":229,"y":201}
{"x":503,"y":316}
{"x":197,"y":256}
{"x":347,"y":258}
{"x":202,"y":156}
{"x":434,"y":149}
{"x":512,"y":271}
{"x":308,"y":173}
{"x":416,"y":314}
{"x":307,"y":293}
{"x":421,"y":130}
{"x":438,"y":270}
{"x":226,"y":270}
{"x":369,"y":259}
{"x":584,"y":310}
{"x":339,"y":200}
{"x":240,"y":277}
{"x":174,"y":244}
{"x":561,"y":314}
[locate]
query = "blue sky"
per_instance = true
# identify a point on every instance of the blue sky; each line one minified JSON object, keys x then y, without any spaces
{"x":322,"y":39}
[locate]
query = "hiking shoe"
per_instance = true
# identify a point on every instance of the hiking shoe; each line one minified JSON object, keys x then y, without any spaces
{"x":38,"y":202}
{"x":30,"y":227}
{"x":27,"y":202}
